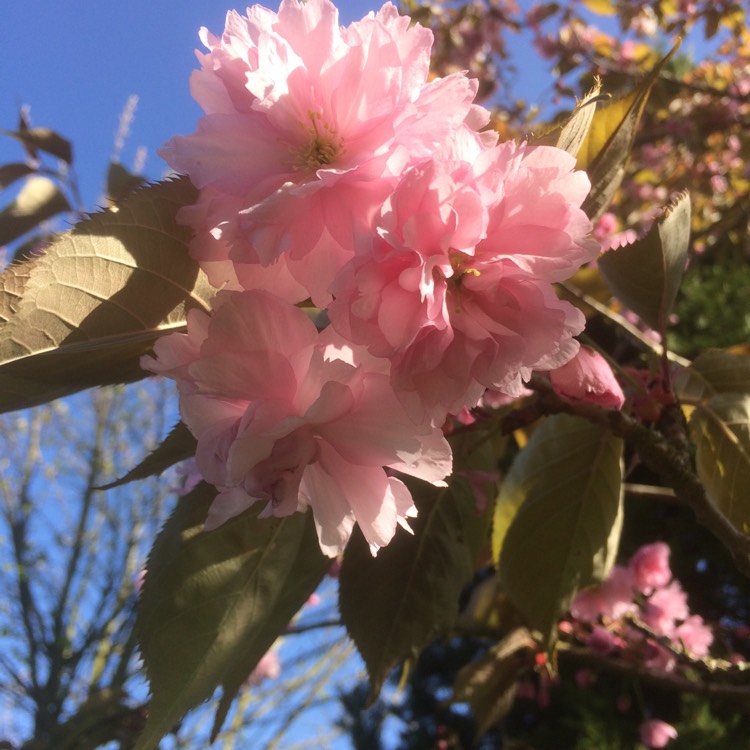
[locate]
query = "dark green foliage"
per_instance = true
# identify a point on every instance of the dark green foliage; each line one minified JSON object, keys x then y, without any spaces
{"x":712,"y":309}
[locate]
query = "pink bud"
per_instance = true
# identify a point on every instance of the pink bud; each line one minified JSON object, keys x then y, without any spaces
{"x":657,"y":733}
{"x":588,"y":378}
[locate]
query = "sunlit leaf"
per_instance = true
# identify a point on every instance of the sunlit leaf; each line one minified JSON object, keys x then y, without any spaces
{"x":568,"y":524}
{"x":98,"y":298}
{"x":177,"y":446}
{"x":712,"y":373}
{"x":646,"y":275}
{"x":606,"y":149}
{"x":571,"y":134}
{"x":12,"y":283}
{"x":9,"y":173}
{"x":38,"y":200}
{"x":42,"y":139}
{"x":601,"y":7}
{"x":396,"y":603}
{"x":34,"y":246}
{"x":489,"y":684}
{"x":720,"y":428}
{"x":214,"y":602}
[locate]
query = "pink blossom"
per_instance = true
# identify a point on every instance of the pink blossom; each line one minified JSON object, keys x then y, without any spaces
{"x":308,"y":126}
{"x":664,"y":608}
{"x":268,"y":668}
{"x":650,"y":567}
{"x":457,"y":290}
{"x":603,"y":641}
{"x":695,"y":635}
{"x":292,"y":418}
{"x":657,"y":733}
{"x":189,"y":477}
{"x":655,"y":656}
{"x":588,"y":378}
{"x":139,"y":580}
{"x":610,"y":600}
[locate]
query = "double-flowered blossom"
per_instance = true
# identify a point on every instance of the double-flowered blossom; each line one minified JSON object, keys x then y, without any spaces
{"x":308,"y":126}
{"x":457,"y":290}
{"x":290,"y":418}
{"x":330,"y":167}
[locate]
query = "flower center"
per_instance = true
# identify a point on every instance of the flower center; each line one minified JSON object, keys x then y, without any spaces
{"x":461,"y":268}
{"x":322,"y":148}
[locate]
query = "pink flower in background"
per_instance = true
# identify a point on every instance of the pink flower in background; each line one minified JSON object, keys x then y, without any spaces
{"x":611,"y":599}
{"x":588,"y":378}
{"x":643,"y":593}
{"x":657,"y":733}
{"x":457,"y":291}
{"x":283,"y":415}
{"x":604,"y":642}
{"x":308,"y":126}
{"x":695,"y":635}
{"x":664,"y":608}
{"x":650,"y":567}
{"x":268,"y":668}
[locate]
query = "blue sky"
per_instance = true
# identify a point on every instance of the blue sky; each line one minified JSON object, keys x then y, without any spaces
{"x":76,"y":63}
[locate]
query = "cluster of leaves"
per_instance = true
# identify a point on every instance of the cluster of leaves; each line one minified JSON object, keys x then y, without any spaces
{"x":82,"y":312}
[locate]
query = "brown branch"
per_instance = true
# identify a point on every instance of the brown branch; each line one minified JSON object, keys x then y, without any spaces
{"x":579,"y":656}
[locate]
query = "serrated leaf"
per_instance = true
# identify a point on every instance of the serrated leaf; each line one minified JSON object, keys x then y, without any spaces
{"x":720,"y":428}
{"x":42,"y":139}
{"x":98,"y":298}
{"x":177,"y":446}
{"x":712,"y":373}
{"x":12,"y":283}
{"x":488,"y":685}
{"x":38,"y":200}
{"x":121,"y":182}
{"x":606,"y":149}
{"x":646,"y":274}
{"x":396,"y":603}
{"x":568,"y":523}
{"x":32,"y":247}
{"x":9,"y":173}
{"x":571,"y":135}
{"x":214,"y":602}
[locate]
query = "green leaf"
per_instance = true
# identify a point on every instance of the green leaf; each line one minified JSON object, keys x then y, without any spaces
{"x":606,"y":149}
{"x":396,"y":603}
{"x":98,"y":298}
{"x":489,"y":684}
{"x":566,"y":531}
{"x":177,"y":446}
{"x":720,"y":428}
{"x":9,"y":173}
{"x":214,"y":602}
{"x":42,"y":139}
{"x":712,"y":373}
{"x":38,"y":200}
{"x":646,"y":275}
{"x":571,"y":134}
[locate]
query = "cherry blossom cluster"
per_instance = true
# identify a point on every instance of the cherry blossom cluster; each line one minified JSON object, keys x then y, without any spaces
{"x":640,"y":614}
{"x":335,"y":174}
{"x":643,"y":593}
